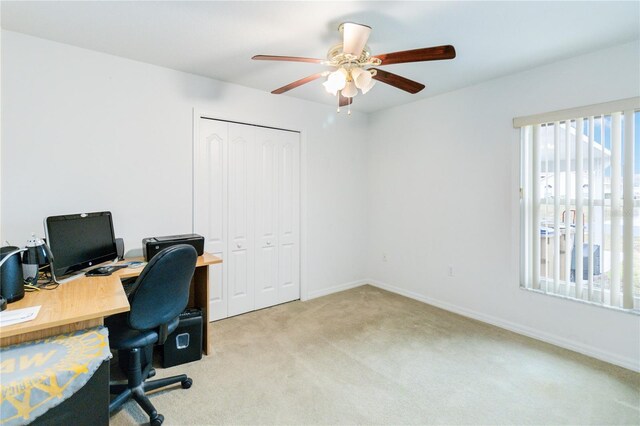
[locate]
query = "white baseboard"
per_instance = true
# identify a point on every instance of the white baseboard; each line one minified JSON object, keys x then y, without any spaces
{"x":629,"y":363}
{"x":335,"y":289}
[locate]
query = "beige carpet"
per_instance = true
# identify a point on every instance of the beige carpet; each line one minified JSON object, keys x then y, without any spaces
{"x":367,"y":356}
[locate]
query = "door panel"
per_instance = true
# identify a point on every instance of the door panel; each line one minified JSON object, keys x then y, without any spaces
{"x":240,"y":207}
{"x":238,"y":278}
{"x":266,"y":277}
{"x":210,"y":194}
{"x":217,"y":291}
{"x":287,"y":268}
{"x":286,"y":190}
{"x":210,"y":162}
{"x":289,"y":217}
{"x":266,"y":217}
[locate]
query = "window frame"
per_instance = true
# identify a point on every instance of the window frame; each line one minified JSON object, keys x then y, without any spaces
{"x":528,"y":191}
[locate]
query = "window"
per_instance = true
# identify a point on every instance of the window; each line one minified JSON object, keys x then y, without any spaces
{"x":580,"y":198}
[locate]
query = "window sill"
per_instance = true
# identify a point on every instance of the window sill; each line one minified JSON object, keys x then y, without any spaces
{"x":634,"y":311}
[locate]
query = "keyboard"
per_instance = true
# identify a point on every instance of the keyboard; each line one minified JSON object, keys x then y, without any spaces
{"x":104,"y":270}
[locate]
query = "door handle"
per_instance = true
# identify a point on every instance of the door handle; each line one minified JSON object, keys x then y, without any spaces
{"x":239,"y":245}
{"x":268,"y":243}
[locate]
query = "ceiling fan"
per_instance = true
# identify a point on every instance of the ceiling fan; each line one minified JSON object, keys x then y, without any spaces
{"x":354,"y":64}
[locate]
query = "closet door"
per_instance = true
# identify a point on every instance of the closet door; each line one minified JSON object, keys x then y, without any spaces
{"x":247,"y":206}
{"x":267,"y":148}
{"x":240,"y":262}
{"x":210,"y":200}
{"x":289,"y":217}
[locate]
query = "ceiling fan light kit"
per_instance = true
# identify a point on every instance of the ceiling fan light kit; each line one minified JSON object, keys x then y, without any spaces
{"x":347,"y":81}
{"x":363,"y":79}
{"x":352,"y":62}
{"x":336,"y":81}
{"x":349,"y":90}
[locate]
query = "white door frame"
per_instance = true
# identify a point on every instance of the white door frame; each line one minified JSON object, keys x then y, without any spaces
{"x":197,"y":114}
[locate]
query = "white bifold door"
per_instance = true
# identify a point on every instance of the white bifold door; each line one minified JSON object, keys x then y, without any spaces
{"x":247,"y":206}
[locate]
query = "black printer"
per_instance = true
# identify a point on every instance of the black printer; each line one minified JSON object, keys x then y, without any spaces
{"x":153,"y":245}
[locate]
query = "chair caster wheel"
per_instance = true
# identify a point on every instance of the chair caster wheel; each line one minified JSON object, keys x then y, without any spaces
{"x":186,"y":384}
{"x":152,"y":373}
{"x":157,"y":421}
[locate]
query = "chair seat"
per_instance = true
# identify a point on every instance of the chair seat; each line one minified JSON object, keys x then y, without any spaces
{"x":123,"y":337}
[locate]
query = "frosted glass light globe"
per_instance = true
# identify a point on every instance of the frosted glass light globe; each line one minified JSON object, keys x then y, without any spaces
{"x":361,"y":77}
{"x":350,"y":90}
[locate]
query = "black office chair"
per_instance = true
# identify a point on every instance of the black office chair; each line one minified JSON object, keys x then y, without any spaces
{"x":160,"y":294}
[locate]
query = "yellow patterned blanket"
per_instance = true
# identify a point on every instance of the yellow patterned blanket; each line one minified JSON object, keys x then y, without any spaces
{"x":36,"y":376}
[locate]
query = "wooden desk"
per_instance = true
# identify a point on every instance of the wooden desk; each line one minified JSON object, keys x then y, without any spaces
{"x":86,"y":301}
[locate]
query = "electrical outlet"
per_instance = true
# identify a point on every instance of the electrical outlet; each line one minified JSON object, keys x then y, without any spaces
{"x":451,"y":273}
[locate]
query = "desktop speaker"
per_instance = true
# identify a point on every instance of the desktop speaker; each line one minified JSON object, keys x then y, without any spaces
{"x":120,"y":248}
{"x":153,"y":245}
{"x":11,"y":276}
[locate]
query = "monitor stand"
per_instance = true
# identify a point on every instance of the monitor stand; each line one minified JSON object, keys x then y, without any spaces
{"x":66,"y":278}
{"x":78,"y":274}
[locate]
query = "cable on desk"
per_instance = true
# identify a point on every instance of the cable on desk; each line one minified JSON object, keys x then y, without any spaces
{"x":45,"y":282}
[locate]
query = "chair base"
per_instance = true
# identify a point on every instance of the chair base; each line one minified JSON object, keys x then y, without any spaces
{"x":136,"y":387}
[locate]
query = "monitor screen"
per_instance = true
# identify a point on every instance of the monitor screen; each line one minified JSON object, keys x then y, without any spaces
{"x":79,"y":241}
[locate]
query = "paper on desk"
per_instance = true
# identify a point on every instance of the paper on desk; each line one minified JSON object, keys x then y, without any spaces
{"x":19,"y":315}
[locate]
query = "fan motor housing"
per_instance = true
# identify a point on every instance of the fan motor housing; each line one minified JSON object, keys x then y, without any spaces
{"x":336,"y":57}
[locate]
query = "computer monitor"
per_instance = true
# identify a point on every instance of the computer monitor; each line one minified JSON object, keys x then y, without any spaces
{"x":78,"y":241}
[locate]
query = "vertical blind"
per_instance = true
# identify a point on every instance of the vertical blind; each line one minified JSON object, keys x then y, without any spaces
{"x":580,"y":198}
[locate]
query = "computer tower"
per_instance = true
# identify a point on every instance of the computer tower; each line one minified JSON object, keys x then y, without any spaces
{"x":184,"y":344}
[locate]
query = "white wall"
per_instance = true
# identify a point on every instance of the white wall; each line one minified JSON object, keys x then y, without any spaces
{"x":85,"y":131}
{"x":444,"y":179}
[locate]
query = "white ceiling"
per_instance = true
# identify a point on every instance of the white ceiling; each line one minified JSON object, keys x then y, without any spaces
{"x":218,"y":39}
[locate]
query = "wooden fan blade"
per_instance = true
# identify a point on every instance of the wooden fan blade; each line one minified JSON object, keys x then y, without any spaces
{"x":297,"y":83}
{"x":344,"y":101}
{"x":418,"y":55}
{"x":397,"y":81}
{"x":286,"y":58}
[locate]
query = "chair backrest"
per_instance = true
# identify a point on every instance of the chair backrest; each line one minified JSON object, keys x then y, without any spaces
{"x":162,"y":289}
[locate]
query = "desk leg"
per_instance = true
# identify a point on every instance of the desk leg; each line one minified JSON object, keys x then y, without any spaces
{"x":201,"y":300}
